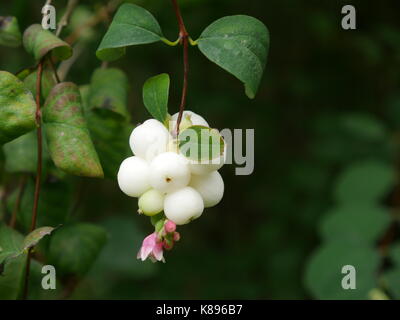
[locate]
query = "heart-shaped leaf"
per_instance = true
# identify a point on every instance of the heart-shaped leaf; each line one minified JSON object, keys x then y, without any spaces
{"x":67,"y":136}
{"x":17,"y":108}
{"x":200,"y":143}
{"x":38,"y":42}
{"x":239,"y":44}
{"x":10,"y":35}
{"x":155,"y":96}
{"x":109,"y":90}
{"x":132,"y":25}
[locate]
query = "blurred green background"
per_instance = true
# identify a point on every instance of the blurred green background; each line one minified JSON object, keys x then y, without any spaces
{"x":326,"y":120}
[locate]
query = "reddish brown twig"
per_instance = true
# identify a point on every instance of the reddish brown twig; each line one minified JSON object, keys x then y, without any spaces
{"x":184,"y":38}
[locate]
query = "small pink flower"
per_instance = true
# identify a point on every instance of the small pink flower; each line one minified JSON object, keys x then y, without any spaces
{"x":151,"y":248}
{"x":170,"y":226}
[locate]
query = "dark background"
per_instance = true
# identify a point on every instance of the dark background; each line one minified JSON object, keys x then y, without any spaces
{"x":319,"y":78}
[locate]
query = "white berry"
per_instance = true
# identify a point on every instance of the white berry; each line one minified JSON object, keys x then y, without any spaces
{"x":210,"y":187}
{"x":169,"y":171}
{"x":151,"y":202}
{"x":149,"y":139}
{"x":133,"y":176}
{"x":183,"y":205}
{"x":195,"y":119}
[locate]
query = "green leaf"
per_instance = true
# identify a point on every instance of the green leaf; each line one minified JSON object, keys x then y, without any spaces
{"x":11,"y":278}
{"x":74,"y":248}
{"x":324,"y":275}
{"x":21,"y":153}
{"x":17,"y":108}
{"x":10,"y":35}
{"x":155,"y":96}
{"x":239,"y":44}
{"x":132,"y":25}
{"x":47,"y":83}
{"x":110,"y":135}
{"x":54,"y":203}
{"x":109,"y":90}
{"x":355,"y":222}
{"x":367,"y":181}
{"x":33,"y":238}
{"x":38,"y":42}
{"x":68,"y":138}
{"x":200,"y":143}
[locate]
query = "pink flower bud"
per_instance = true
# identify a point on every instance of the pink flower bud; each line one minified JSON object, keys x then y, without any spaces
{"x":177,"y":236}
{"x":170,"y":226}
{"x":168,"y":246}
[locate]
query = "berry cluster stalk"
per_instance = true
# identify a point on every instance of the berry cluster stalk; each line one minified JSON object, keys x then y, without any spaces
{"x":184,"y":39}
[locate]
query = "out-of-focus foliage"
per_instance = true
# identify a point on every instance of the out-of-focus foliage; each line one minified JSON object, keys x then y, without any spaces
{"x":324,"y":192}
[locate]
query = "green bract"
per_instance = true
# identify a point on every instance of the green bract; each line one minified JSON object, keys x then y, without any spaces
{"x":17,"y":108}
{"x":155,"y":96}
{"x":200,"y":143}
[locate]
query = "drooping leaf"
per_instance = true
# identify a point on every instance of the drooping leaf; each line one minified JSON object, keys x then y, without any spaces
{"x":14,"y":263}
{"x":239,"y":44}
{"x":201,"y":143}
{"x":33,"y":238}
{"x":109,"y":90}
{"x":366,"y":181}
{"x":132,"y":25}
{"x":110,"y":135}
{"x":38,"y":42}
{"x":355,"y":222}
{"x":47,"y":83}
{"x":155,"y":96}
{"x":324,"y":275}
{"x":74,"y":248}
{"x":17,"y":108}
{"x":10,"y":35}
{"x":68,"y":138}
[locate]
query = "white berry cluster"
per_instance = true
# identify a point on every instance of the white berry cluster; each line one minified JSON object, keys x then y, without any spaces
{"x":165,"y":180}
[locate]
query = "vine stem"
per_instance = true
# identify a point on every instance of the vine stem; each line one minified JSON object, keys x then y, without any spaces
{"x":184,"y":39}
{"x":38,"y":172}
